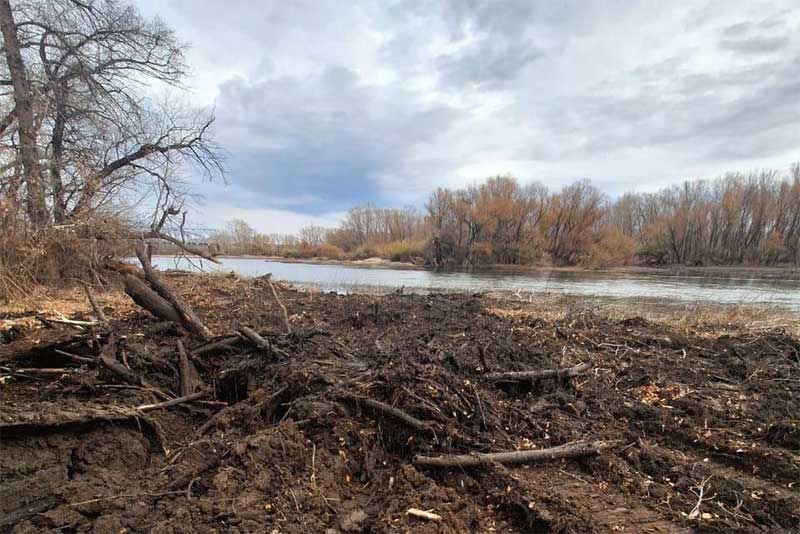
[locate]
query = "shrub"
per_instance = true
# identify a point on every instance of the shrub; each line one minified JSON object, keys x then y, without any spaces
{"x":612,"y":249}
{"x":332,"y":252}
{"x":402,"y":249}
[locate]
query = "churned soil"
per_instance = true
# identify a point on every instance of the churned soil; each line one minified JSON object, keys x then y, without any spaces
{"x":293,"y":435}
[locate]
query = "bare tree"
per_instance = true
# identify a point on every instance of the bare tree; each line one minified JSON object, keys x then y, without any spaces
{"x":79,"y":70}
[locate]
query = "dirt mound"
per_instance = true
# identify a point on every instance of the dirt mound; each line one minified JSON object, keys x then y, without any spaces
{"x":322,"y":430}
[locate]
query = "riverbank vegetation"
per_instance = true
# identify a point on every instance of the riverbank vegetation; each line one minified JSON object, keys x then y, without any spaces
{"x":737,"y":219}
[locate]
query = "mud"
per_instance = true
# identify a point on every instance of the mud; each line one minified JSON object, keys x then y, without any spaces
{"x":706,"y":421}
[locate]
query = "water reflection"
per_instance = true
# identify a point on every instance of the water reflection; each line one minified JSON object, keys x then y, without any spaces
{"x":717,"y":288}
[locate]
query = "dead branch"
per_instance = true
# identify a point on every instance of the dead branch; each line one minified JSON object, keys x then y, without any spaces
{"x":283,"y":308}
{"x":570,"y":450}
{"x":188,"y":318}
{"x":521,"y":376}
{"x":98,"y":311}
{"x":52,"y":414}
{"x":171,"y":402}
{"x":255,"y":338}
{"x":69,"y":322}
{"x":391,"y":411}
{"x":110,"y":362}
{"x":189,"y":378}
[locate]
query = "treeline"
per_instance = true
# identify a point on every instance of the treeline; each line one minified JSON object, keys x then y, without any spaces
{"x":736,"y":219}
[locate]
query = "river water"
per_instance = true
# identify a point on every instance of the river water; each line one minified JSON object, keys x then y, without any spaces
{"x":719,"y":289}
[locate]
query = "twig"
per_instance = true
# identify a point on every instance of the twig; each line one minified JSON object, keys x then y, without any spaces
{"x":396,"y":413}
{"x":172,"y":402}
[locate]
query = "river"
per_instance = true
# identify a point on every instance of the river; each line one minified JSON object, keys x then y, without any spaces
{"x":716,"y":288}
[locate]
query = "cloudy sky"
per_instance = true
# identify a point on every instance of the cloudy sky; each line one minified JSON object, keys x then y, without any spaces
{"x":325,"y":104}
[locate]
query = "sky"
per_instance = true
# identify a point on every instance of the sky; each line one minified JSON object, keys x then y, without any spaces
{"x":324,"y":104}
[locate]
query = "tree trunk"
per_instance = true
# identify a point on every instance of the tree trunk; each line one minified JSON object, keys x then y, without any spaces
{"x":36,"y":203}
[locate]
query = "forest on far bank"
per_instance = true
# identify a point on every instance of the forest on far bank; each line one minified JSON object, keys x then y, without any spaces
{"x":737,"y":219}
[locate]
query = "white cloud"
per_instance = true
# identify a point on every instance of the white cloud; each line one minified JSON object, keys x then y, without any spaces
{"x":324,"y":104}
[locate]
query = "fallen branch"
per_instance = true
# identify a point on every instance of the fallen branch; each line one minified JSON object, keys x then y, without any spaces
{"x":52,"y":414}
{"x":171,"y":402}
{"x":188,"y":318}
{"x":255,"y":338}
{"x":98,"y":311}
{"x":283,"y":308}
{"x":391,"y":411}
{"x":521,"y":376}
{"x":110,"y":362}
{"x":570,"y":450}
{"x":69,"y":322}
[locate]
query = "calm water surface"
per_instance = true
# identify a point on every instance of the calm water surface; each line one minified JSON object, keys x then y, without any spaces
{"x":709,"y":289}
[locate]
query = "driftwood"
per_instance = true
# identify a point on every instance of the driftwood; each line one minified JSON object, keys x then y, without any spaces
{"x":150,"y":300}
{"x":521,"y":376}
{"x":570,"y":450}
{"x":190,"y":380}
{"x":188,"y":318}
{"x":255,"y":338}
{"x":393,"y":412}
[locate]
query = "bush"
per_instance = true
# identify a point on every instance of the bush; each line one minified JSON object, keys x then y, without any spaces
{"x":331,"y":252}
{"x":612,"y":249}
{"x":402,"y":250}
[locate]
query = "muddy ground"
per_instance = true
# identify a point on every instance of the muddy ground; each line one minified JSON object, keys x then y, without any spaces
{"x":704,"y":420}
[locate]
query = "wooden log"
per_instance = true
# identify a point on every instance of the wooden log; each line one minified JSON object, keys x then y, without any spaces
{"x":188,"y":318}
{"x":190,"y":380}
{"x":150,"y":300}
{"x":521,"y":376}
{"x":576,"y":449}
